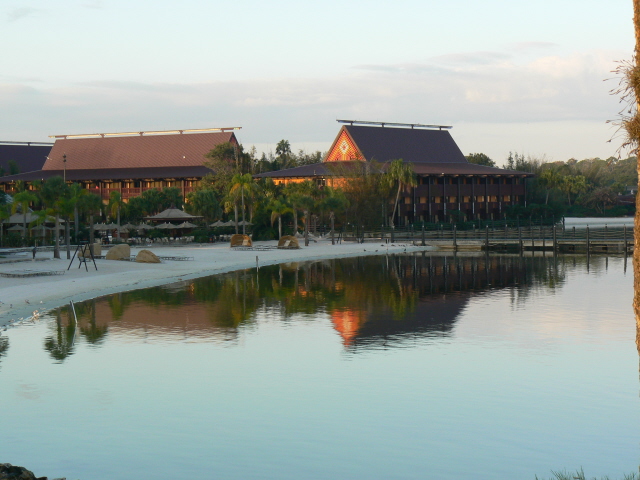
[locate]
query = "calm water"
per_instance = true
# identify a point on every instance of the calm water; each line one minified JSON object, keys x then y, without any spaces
{"x":403,"y":367}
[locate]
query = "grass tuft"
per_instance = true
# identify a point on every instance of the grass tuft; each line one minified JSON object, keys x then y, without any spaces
{"x":579,"y":475}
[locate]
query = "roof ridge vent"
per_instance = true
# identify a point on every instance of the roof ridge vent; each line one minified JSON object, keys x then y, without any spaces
{"x":395,"y":124}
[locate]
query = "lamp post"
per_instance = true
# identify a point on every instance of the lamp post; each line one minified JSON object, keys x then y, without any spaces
{"x":64,"y":162}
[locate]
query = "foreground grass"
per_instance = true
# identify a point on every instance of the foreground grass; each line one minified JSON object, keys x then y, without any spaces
{"x":579,"y":475}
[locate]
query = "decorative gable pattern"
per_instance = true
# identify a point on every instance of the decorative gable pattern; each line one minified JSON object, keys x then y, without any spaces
{"x":344,"y":149}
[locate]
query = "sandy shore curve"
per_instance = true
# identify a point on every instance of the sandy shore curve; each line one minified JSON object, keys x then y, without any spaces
{"x":20,"y":297}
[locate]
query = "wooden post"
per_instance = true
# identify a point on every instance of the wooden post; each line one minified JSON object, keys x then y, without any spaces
{"x":624,"y":233}
{"x":423,"y":242}
{"x":455,"y":238}
{"x":520,"y":245}
{"x":486,"y":238}
{"x":555,"y":240}
{"x":587,"y":240}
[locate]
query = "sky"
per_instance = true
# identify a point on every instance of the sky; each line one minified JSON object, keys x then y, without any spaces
{"x":527,"y":77}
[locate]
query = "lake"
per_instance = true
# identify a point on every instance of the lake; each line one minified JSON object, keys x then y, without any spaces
{"x":402,"y":366}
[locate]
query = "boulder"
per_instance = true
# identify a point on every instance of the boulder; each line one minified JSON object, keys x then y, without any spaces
{"x":13,"y":472}
{"x":147,"y":256}
{"x":119,"y":252}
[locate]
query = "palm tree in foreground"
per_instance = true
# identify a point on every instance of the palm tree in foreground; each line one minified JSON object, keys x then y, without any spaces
{"x":242,"y":185}
{"x":402,"y":174}
{"x":278,"y":208}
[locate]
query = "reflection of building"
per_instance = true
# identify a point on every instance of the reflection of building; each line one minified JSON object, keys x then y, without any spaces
{"x":441,"y":286}
{"x":129,"y":163}
{"x":447,"y":182}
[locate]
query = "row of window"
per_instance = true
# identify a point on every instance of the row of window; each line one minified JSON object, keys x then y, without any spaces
{"x":470,"y":181}
{"x":464,"y":199}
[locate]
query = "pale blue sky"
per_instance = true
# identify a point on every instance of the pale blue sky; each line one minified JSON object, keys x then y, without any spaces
{"x":520,"y":76}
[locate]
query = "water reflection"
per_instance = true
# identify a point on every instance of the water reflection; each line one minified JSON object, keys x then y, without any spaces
{"x":4,"y":346}
{"x":371,"y":301}
{"x":60,"y":344}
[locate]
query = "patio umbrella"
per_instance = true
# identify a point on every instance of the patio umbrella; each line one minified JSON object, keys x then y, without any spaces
{"x":41,"y":232}
{"x":165,"y":226}
{"x":174,"y":214}
{"x":218,"y":223}
{"x":230,"y":223}
{"x":186,"y":225}
{"x":244,"y":222}
{"x":144,"y":226}
{"x":101,"y":227}
{"x":16,"y":228}
{"x":111,"y":226}
{"x":128,"y":226}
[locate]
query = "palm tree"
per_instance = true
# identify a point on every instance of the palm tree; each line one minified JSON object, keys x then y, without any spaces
{"x":115,"y":203}
{"x":334,"y":201}
{"x":22,"y":200}
{"x":76,"y":193}
{"x":550,"y":179}
{"x":278,"y":208}
{"x":91,"y":203}
{"x":403,"y":175}
{"x":53,"y":192}
{"x":241,"y":185}
{"x":307,"y":203}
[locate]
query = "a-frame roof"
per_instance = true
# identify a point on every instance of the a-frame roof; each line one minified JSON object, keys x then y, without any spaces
{"x":382,"y":144}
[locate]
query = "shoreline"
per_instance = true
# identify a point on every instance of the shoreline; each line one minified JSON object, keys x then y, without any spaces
{"x":21,"y":297}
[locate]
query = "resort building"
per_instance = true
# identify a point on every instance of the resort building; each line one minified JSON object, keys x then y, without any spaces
{"x":20,"y":157}
{"x":447,"y":182}
{"x":130,"y":162}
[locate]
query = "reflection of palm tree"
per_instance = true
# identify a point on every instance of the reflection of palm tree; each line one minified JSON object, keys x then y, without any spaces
{"x":61,"y":346}
{"x":4,"y":346}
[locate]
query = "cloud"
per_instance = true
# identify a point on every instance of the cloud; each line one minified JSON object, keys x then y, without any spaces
{"x":472,"y":58}
{"x":533,"y":46}
{"x":19,"y":13}
{"x":549,"y":89}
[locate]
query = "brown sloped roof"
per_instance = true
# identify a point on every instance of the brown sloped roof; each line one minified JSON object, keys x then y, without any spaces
{"x":415,"y":145}
{"x":136,"y":151}
{"x":112,"y":174}
{"x":27,"y":157}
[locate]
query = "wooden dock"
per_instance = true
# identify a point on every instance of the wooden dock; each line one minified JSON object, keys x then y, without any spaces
{"x":618,"y":240}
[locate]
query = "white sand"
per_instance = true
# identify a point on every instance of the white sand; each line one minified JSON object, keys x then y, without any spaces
{"x":20,"y":297}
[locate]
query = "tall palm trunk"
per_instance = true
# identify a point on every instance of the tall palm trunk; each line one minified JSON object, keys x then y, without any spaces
{"x":118,"y":230}
{"x":235,"y":212}
{"x":306,"y":228}
{"x":91,"y":236}
{"x":280,"y":226}
{"x":56,"y":248}
{"x":76,"y":220}
{"x":67,"y":235}
{"x":243,"y":219}
{"x":395,"y":205}
{"x":332,"y":217}
{"x":24,"y":223}
{"x":295,"y":221}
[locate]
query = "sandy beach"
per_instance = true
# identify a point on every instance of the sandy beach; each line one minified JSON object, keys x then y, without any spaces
{"x":21,"y":296}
